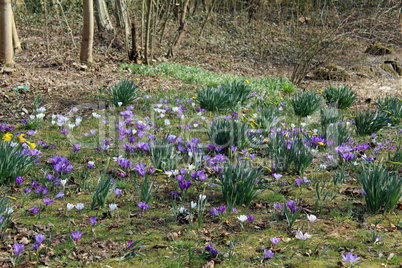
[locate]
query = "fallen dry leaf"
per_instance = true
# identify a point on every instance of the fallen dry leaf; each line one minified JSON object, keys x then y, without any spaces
{"x":172,"y":236}
{"x":210,"y":264}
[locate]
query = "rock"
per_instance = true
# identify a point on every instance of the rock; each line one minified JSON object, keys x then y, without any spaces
{"x":330,"y":72}
{"x":388,"y":68}
{"x":379,"y":49}
{"x":396,"y":65}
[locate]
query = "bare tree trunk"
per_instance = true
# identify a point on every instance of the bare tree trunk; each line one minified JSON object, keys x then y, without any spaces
{"x":16,"y":40}
{"x":134,"y":52}
{"x":88,"y":32}
{"x":142,"y":24}
{"x":102,"y":16}
{"x":206,"y":19}
{"x":147,"y":31}
{"x":167,"y":14}
{"x":6,"y":33}
{"x":121,"y":10}
{"x":181,"y":31}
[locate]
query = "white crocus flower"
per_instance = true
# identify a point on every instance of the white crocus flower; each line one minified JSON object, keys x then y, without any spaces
{"x":112,"y":207}
{"x":70,"y":206}
{"x":181,"y":210}
{"x":242,"y":218}
{"x":191,"y":167}
{"x":63,"y":182}
{"x":193,"y":204}
{"x":9,"y":211}
{"x":311,"y":218}
{"x":40,"y":116}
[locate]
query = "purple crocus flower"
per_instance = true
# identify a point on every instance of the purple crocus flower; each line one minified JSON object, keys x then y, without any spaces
{"x":268,"y":254}
{"x":18,"y":249}
{"x":61,"y":164}
{"x":34,"y":210}
{"x":130,"y":244}
{"x":38,"y":240}
{"x":91,"y":164}
{"x":292,"y":206}
{"x":19,"y":180}
{"x":250,"y":218}
{"x":348,"y":156}
{"x":221,"y":209}
{"x":64,"y":131}
{"x":174,"y":194}
{"x":275,"y":240}
{"x":143,"y":206}
{"x":350,"y":258}
{"x":76,"y":148}
{"x":117,"y":191}
{"x":184,"y":185}
{"x":124,"y":163}
{"x":278,"y":206}
{"x":141,"y":169}
{"x":211,"y":250}
{"x":76,"y":235}
{"x":214,"y":212}
{"x":92,"y":220}
{"x":47,"y":201}
{"x":59,"y":195}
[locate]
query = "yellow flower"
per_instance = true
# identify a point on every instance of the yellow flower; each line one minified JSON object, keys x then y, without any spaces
{"x":7,"y":137}
{"x":194,"y":97}
{"x":21,"y":138}
{"x":320,"y":143}
{"x":137,"y":79}
{"x":246,"y":81}
{"x":31,"y":144}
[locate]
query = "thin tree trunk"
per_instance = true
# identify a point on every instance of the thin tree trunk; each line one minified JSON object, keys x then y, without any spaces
{"x":6,"y":33}
{"x":206,"y":19}
{"x":16,"y":40}
{"x":88,"y":32}
{"x":102,"y":16}
{"x":180,"y":33}
{"x":147,"y":31}
{"x":134,"y":52}
{"x":165,"y":22}
{"x":142,"y":24}
{"x":121,"y":10}
{"x":65,"y":20}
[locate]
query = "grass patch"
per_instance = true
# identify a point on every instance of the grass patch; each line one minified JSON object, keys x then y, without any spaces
{"x":195,"y":75}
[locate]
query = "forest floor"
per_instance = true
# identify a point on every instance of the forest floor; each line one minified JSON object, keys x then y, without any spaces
{"x":58,"y":82}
